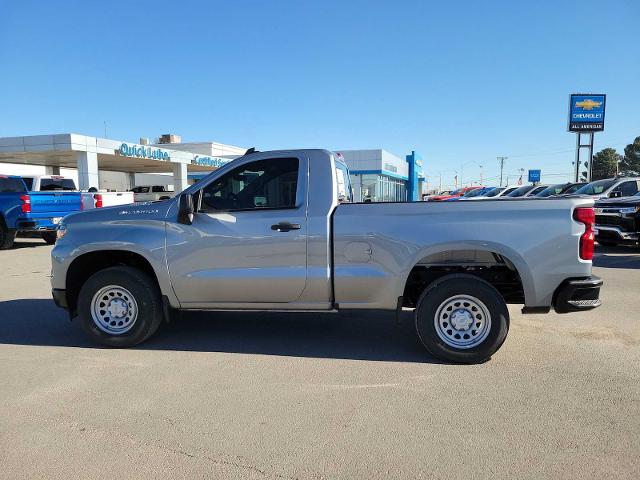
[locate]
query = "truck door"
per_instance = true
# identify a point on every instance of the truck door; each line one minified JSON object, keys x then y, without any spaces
{"x":248,"y":241}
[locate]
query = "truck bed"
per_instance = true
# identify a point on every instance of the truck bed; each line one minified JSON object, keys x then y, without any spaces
{"x":378,"y":245}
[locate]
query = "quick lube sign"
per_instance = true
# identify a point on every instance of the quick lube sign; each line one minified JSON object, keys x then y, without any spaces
{"x":209,"y":161}
{"x":140,"y":151}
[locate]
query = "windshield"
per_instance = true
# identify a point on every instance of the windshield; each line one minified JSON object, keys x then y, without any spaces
{"x":537,"y":190}
{"x":552,"y":190}
{"x":11,"y":185}
{"x":520,"y":191}
{"x":48,"y":184}
{"x":476,"y":193}
{"x":574,"y":188}
{"x":596,"y":188}
{"x":494,"y":192}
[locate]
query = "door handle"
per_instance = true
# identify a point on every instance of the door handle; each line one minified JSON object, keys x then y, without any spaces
{"x":285,"y":226}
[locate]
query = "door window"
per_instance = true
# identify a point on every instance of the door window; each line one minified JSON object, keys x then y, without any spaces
{"x":345,"y":193}
{"x":627,"y":189}
{"x":263,"y":184}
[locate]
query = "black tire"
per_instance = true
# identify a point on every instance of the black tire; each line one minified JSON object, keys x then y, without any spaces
{"x":143,"y":289}
{"x":604,"y":243}
{"x":7,"y":235}
{"x":49,"y":237}
{"x":494,"y":327}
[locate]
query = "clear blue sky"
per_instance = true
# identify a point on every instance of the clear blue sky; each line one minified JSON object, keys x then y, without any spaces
{"x":460,"y":82}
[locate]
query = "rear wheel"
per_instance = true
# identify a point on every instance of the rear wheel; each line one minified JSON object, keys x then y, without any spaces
{"x":49,"y":237}
{"x":120,"y":307}
{"x":461,"y":318}
{"x":7,"y":235}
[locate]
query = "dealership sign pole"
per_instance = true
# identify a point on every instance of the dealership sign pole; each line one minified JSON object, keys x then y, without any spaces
{"x":586,"y":116}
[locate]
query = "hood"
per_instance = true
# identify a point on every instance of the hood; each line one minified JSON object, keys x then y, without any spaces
{"x":619,"y":202}
{"x":141,"y":211}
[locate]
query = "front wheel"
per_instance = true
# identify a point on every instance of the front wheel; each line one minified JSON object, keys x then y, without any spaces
{"x":461,"y":318}
{"x":120,"y":306}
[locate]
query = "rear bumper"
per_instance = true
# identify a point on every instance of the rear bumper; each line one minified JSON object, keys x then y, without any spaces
{"x":36,"y":225}
{"x":577,"y":294}
{"x":60,"y":298}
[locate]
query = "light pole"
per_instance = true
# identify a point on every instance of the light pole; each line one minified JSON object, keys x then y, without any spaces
{"x":501,"y":160}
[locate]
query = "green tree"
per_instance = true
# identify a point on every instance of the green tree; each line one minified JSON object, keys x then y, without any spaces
{"x":630,"y":165}
{"x":605,"y":164}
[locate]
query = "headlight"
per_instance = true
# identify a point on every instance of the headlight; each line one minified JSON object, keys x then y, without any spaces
{"x":629,"y":210}
{"x":61,"y":230}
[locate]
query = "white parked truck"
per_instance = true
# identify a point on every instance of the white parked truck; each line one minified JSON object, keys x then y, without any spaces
{"x":106,"y":199}
{"x":152,"y":193}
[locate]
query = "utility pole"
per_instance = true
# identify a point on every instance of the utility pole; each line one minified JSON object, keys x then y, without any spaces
{"x":501,"y":160}
{"x":481,"y":175}
{"x":461,"y":172}
{"x":440,"y":184}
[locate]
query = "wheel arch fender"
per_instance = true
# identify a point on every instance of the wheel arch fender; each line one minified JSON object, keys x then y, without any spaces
{"x":98,"y":257}
{"x":510,"y":255}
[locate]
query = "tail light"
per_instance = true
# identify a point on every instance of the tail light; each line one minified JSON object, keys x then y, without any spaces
{"x":587,"y":216}
{"x":26,"y":203}
{"x":98,"y":198}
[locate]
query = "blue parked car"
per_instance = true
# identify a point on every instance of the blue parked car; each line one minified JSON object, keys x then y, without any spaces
{"x":22,"y":210}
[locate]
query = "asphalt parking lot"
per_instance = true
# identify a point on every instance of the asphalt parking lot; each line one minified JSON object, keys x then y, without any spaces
{"x":302,"y":396}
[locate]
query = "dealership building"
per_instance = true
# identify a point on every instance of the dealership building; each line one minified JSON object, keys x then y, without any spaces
{"x":380,"y":176}
{"x":107,"y":164}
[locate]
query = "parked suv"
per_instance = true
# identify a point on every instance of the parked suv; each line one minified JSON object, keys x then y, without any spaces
{"x":611,"y":188}
{"x":618,"y":221}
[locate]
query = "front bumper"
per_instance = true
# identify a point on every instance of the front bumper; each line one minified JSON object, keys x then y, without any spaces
{"x":60,"y":298}
{"x":577,"y":294}
{"x":615,"y":233}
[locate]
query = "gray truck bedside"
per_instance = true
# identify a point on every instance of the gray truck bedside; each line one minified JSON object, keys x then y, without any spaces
{"x":277,"y":231}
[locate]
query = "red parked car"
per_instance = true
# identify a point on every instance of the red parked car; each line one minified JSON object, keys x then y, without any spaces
{"x":456,"y":193}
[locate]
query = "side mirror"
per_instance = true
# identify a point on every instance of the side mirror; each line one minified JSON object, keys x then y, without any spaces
{"x":185,"y":209}
{"x":615,"y":194}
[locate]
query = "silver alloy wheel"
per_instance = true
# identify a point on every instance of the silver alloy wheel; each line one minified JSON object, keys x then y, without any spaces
{"x":462,"y":321}
{"x":114,"y":310}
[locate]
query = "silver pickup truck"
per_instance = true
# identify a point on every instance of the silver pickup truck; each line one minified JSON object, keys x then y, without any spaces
{"x":279,"y":231}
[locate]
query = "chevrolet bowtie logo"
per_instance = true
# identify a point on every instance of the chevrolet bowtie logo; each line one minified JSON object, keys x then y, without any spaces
{"x":588,"y":104}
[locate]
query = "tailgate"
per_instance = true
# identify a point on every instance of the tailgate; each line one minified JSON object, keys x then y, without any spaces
{"x":54,"y":204}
